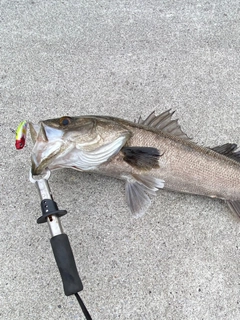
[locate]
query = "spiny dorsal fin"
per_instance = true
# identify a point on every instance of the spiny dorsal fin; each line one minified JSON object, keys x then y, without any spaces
{"x":228,"y":150}
{"x":141,"y":157}
{"x":164,"y":123}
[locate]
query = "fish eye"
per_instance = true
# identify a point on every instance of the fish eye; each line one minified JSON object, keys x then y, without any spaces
{"x":64,"y":121}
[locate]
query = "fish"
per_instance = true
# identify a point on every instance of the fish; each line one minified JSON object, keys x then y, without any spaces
{"x":148,"y":154}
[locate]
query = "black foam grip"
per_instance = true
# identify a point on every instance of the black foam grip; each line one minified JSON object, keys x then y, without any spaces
{"x":66,"y":264}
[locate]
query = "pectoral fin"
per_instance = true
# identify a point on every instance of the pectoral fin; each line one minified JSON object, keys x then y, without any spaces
{"x":138,"y":188}
{"x":141,"y":157}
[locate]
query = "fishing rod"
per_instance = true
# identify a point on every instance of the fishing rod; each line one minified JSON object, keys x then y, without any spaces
{"x":61,"y":247}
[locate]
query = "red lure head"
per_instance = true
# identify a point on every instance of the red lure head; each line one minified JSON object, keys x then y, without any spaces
{"x":21,"y":135}
{"x":19,"y":144}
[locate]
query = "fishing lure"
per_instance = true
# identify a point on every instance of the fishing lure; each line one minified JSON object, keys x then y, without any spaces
{"x":21,"y":135}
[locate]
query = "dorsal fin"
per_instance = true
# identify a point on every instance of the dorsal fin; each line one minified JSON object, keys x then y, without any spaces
{"x":164,"y":123}
{"x":228,"y":150}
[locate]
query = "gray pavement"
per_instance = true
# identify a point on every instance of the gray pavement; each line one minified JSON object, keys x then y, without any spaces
{"x":120,"y":58}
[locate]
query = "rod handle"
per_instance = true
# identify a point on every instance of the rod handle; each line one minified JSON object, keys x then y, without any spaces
{"x":66,"y":264}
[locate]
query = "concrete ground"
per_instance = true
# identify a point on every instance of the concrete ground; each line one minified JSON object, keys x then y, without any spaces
{"x":120,"y":58}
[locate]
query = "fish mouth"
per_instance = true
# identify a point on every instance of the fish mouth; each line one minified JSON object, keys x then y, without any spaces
{"x":41,"y":164}
{"x":47,"y":146}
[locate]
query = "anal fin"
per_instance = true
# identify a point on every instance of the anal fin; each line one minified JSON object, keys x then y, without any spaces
{"x":234,"y":206}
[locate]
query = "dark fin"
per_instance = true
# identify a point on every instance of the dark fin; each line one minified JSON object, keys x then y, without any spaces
{"x":228,"y":150}
{"x":137,"y":190}
{"x":234,"y":206}
{"x":164,"y":123}
{"x":141,"y":157}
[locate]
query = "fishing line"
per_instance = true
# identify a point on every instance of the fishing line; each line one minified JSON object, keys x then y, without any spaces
{"x":83,"y":307}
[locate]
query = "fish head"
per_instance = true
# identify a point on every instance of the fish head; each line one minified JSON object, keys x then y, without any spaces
{"x":74,"y":142}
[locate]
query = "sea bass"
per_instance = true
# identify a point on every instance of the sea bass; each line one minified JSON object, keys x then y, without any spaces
{"x":148,"y":155}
